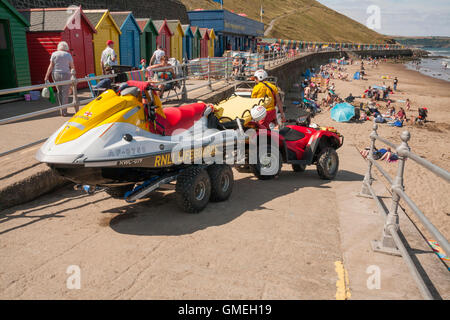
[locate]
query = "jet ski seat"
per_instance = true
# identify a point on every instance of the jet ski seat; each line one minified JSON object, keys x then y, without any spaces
{"x":179,"y":118}
{"x":131,"y":90}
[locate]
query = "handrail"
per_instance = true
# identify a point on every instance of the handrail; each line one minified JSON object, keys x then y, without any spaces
{"x":390,"y":241}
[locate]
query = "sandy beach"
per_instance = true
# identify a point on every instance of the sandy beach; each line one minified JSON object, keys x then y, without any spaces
{"x":431,"y":141}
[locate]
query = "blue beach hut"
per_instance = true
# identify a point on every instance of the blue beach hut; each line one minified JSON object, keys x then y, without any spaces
{"x":129,"y":40}
{"x":188,"y":41}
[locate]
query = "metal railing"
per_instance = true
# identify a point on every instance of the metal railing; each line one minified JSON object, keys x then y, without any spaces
{"x":211,"y":69}
{"x":390,"y":241}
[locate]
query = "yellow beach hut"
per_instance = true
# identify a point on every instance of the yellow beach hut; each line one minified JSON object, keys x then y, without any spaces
{"x":211,"y":42}
{"x":107,"y":29}
{"x":176,"y":41}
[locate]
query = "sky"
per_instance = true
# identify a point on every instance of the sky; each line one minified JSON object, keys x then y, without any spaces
{"x":399,"y":17}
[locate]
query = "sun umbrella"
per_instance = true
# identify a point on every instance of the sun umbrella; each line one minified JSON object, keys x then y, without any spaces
{"x":342,"y":112}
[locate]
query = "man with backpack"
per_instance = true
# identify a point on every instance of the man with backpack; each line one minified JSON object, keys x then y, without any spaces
{"x":263,"y":89}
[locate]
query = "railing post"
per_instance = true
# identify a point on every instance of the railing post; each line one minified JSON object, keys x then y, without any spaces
{"x":368,"y":178}
{"x":75,"y":100}
{"x":184,"y":69}
{"x":209,"y":73}
{"x":387,"y":243}
{"x":226,"y":70}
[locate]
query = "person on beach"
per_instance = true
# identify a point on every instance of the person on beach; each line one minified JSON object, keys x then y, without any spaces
{"x":408,"y":104}
{"x":401,"y":115}
{"x":108,"y":58}
{"x":395,"y":83}
{"x":60,"y":67}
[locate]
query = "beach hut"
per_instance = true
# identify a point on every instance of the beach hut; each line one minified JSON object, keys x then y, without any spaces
{"x":211,"y":42}
{"x":129,"y":39}
{"x":49,"y":26}
{"x":107,"y":29}
{"x":164,"y":35}
{"x":196,"y":42}
{"x":204,"y":47}
{"x":188,"y":40}
{"x":148,"y":38}
{"x":13,"y":49}
{"x":176,"y":42}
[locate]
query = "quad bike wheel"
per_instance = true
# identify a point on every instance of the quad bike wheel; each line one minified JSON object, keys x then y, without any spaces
{"x":299,"y":167}
{"x":119,"y":191}
{"x":222,"y":180}
{"x":327,"y":163}
{"x":193,"y":189}
{"x":268,"y":166}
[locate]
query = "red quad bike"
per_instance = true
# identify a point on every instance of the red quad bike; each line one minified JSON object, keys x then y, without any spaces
{"x":298,"y":145}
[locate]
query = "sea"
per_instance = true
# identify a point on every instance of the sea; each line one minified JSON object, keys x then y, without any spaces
{"x":437,"y":65}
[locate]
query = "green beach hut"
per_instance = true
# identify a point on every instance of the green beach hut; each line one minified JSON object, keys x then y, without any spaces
{"x":148,"y":38}
{"x":13,"y":48}
{"x":196,"y":42}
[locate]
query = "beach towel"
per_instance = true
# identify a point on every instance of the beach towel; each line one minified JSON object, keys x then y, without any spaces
{"x":439,"y":251}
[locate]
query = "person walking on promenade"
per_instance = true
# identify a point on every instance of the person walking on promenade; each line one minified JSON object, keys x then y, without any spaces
{"x":157,"y":55}
{"x":60,"y":67}
{"x":109,"y":57}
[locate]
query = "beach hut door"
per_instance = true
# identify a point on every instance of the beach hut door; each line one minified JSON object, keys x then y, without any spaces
{"x":77,"y":50}
{"x":131,"y":48}
{"x":6,"y":57}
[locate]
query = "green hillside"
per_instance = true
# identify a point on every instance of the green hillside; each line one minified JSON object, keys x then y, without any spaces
{"x":298,"y":20}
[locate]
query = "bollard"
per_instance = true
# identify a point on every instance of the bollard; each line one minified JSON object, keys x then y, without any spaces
{"x":387,"y":243}
{"x":75,"y":100}
{"x":368,"y":178}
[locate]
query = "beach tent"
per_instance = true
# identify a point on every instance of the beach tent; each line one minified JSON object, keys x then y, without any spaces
{"x":188,"y":40}
{"x":211,"y":42}
{"x":148,"y":38}
{"x":49,"y":26}
{"x":13,"y":52}
{"x":342,"y":112}
{"x":204,"y":42}
{"x":164,"y":35}
{"x":107,"y":29}
{"x":176,"y":42}
{"x":196,"y":42}
{"x":129,"y":39}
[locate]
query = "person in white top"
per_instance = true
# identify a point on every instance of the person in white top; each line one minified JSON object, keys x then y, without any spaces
{"x":157,"y":55}
{"x":60,"y":67}
{"x":109,"y":57}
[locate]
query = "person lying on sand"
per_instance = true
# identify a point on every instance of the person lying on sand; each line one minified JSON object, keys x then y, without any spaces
{"x":380,"y":154}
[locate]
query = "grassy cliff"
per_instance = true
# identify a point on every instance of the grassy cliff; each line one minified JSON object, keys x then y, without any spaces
{"x":298,"y":20}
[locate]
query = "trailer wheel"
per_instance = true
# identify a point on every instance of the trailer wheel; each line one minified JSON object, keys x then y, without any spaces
{"x":268,"y":165}
{"x":222,"y":180}
{"x":299,"y":167}
{"x":118,"y":192}
{"x":193,"y":189}
{"x":327,"y":163}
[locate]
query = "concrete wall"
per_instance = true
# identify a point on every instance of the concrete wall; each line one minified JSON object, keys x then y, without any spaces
{"x":290,"y":72}
{"x":155,"y":9}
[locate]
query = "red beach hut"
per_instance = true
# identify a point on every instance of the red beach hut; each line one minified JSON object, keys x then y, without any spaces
{"x":48,"y":27}
{"x":164,"y":35}
{"x":204,"y":42}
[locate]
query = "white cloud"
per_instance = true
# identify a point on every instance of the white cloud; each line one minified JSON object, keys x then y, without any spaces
{"x":400,"y":17}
